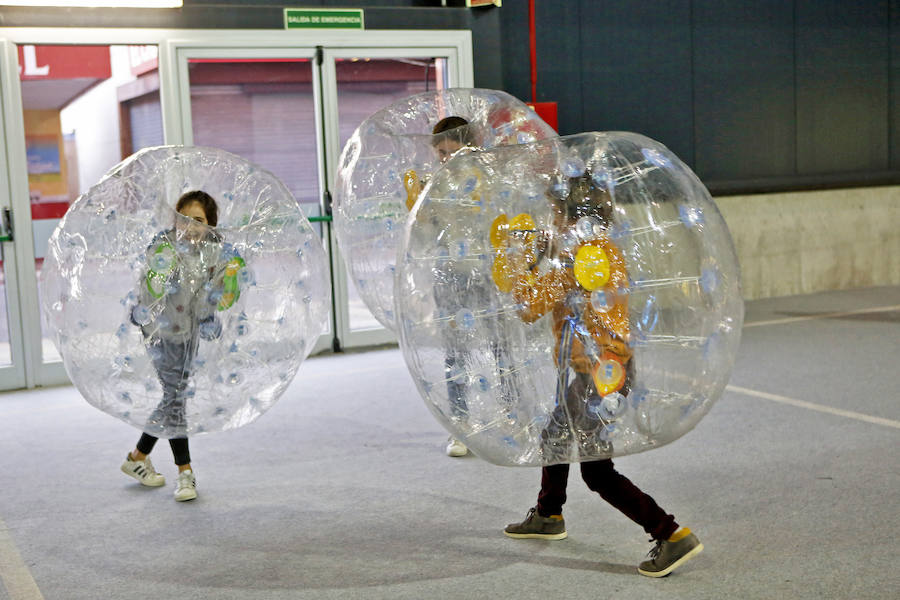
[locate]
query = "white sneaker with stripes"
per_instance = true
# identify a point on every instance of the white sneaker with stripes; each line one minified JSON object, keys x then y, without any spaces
{"x":143,"y":471}
{"x":186,"y":488}
{"x":456,"y":448}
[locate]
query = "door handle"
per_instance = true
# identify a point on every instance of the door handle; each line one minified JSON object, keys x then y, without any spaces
{"x":7,"y":235}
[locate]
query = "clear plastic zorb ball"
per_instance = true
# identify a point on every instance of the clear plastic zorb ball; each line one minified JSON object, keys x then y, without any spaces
{"x":192,"y":321}
{"x":568,"y":300}
{"x":389,"y":159}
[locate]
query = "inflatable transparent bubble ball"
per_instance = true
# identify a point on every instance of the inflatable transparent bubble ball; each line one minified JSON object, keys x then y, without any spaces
{"x":170,"y":324}
{"x":389,"y":159}
{"x":568,"y":300}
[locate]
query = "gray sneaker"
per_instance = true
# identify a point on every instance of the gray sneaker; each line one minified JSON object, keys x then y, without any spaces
{"x":667,"y":556}
{"x":538,"y":527}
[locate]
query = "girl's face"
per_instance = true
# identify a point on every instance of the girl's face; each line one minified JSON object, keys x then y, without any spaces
{"x":195,"y":211}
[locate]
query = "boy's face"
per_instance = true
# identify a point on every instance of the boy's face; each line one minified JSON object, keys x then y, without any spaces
{"x":446,"y":148}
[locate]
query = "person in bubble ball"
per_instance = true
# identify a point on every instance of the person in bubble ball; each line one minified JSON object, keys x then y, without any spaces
{"x":187,"y":280}
{"x":452,"y":134}
{"x":595,"y":365}
{"x":456,"y":284}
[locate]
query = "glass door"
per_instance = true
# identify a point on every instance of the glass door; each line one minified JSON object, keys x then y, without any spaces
{"x":359,"y":82}
{"x":264,"y":105}
{"x":70,"y":112}
{"x":12,"y":348}
{"x":290,"y":110}
{"x":75,"y":111}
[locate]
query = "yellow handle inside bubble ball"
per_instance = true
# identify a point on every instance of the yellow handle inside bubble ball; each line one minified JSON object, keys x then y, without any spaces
{"x":503,"y":233}
{"x":502,"y":274}
{"x":591,"y":267}
{"x":500,"y":232}
{"x":413,"y":186}
{"x":608,"y":374}
{"x":523,"y":225}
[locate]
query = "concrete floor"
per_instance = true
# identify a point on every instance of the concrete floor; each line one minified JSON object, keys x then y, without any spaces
{"x":342,"y":490}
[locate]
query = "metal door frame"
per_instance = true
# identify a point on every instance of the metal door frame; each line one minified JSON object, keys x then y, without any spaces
{"x":12,"y":160}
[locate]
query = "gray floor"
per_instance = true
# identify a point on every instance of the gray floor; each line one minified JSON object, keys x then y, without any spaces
{"x":342,"y":490}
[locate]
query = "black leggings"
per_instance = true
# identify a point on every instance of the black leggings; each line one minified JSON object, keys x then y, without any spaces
{"x":180,"y":449}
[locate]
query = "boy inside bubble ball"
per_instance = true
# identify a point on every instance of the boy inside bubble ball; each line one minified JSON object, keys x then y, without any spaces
{"x":450,"y":135}
{"x":563,"y":275}
{"x":187,"y":280}
{"x":459,"y":287}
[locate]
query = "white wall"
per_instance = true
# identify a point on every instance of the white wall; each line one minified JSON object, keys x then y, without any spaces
{"x":94,"y":120}
{"x":805,"y":242}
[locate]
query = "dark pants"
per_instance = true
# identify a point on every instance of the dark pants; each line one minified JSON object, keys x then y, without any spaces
{"x":569,"y":420}
{"x":172,"y":361}
{"x":601,"y":477}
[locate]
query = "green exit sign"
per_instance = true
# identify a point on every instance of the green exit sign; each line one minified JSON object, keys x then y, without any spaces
{"x":323,"y":18}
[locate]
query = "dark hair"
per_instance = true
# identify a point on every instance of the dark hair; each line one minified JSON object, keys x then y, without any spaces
{"x":448,"y":123}
{"x":585,"y":198}
{"x":210,"y":208}
{"x":453,"y":128}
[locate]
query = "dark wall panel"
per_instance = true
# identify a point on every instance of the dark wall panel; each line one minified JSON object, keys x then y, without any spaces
{"x":516,"y":52}
{"x":842,"y":86}
{"x":487,"y":47}
{"x":894,"y":121}
{"x":635,"y":69}
{"x":744,"y":89}
{"x":559,"y":72}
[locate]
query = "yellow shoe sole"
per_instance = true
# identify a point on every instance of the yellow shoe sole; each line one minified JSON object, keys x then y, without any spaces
{"x":694,"y":552}
{"x":538,"y":536}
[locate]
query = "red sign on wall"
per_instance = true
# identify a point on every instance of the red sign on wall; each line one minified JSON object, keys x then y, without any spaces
{"x":63,"y":62}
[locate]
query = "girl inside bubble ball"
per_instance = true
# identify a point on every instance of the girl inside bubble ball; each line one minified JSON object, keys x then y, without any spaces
{"x":187,"y":280}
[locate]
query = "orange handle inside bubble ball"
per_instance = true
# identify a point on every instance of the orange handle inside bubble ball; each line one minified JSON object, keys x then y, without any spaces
{"x":413,"y":187}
